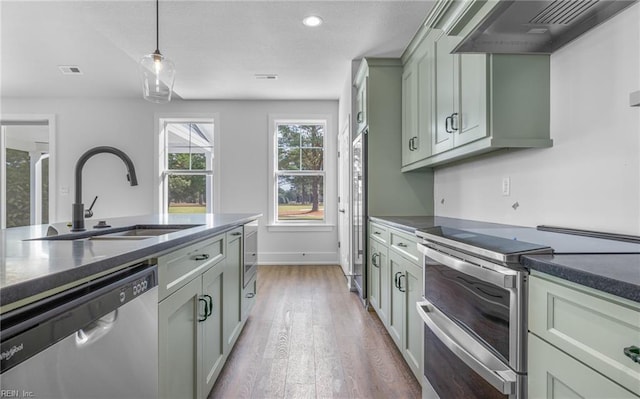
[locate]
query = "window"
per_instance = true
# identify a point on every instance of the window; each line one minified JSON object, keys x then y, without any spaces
{"x":24,"y":170}
{"x":299,"y":172}
{"x":187,"y":166}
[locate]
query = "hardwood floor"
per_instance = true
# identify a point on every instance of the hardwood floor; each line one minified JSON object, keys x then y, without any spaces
{"x":309,"y":337}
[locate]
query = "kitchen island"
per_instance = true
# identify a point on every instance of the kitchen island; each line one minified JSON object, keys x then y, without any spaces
{"x":79,"y":297}
{"x":32,"y":269}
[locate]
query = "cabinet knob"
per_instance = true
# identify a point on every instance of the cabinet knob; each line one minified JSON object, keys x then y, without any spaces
{"x":402,"y":245}
{"x":236,"y":234}
{"x":201,"y":257}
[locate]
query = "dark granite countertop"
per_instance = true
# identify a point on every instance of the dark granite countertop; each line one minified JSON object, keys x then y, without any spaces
{"x":35,"y":267}
{"x":617,"y":274}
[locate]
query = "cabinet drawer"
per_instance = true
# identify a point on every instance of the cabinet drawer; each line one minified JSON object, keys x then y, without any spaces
{"x":553,"y":374}
{"x":406,"y":244}
{"x":591,"y":326}
{"x":379,"y":233}
{"x":249,"y":294}
{"x":179,"y":267}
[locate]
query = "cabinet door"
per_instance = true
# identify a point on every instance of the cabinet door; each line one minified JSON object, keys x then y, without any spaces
{"x":361,"y":106}
{"x":232,"y":322}
{"x":471,"y":121}
{"x":414,"y":326}
{"x":179,"y":342}
{"x":249,"y":295}
{"x":409,"y":113}
{"x":424,"y":69}
{"x":446,"y":86}
{"x":396,"y":315}
{"x":384,"y":308}
{"x":373,"y":266}
{"x":212,"y":338}
{"x":553,"y":374}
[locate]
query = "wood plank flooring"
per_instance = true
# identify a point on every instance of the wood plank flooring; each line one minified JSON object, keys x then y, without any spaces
{"x":309,"y":337}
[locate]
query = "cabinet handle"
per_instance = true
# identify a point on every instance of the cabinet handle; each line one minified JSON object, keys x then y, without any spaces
{"x":359,"y":117}
{"x":396,"y":280}
{"x":415,"y":140}
{"x":400,"y":283}
{"x":236,"y":233}
{"x":373,"y":260}
{"x":454,"y":118}
{"x":633,"y":353}
{"x":206,"y":309}
{"x":402,"y":245}
{"x":446,"y":124}
{"x":376,"y":233}
{"x":411,"y":144}
{"x":250,"y":295}
{"x":210,"y":304}
{"x":201,"y":257}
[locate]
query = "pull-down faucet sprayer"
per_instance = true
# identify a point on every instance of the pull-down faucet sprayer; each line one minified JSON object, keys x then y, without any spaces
{"x":77,"y":223}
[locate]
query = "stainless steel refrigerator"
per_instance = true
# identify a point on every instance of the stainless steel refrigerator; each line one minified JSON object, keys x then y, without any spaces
{"x":359,"y":214}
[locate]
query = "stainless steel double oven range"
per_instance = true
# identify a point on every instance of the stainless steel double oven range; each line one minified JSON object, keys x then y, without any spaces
{"x":474,"y":311}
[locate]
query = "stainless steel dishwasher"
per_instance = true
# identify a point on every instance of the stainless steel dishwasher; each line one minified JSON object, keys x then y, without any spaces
{"x":97,"y":340}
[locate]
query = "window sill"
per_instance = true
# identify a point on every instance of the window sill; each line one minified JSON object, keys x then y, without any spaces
{"x":300,"y":227}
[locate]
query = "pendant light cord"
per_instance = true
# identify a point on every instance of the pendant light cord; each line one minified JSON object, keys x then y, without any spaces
{"x":157,"y":27}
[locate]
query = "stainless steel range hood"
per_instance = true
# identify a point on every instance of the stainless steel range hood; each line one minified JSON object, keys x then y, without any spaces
{"x":537,"y":26}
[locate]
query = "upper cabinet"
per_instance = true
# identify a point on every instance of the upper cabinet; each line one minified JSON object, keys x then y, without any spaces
{"x":361,"y":104}
{"x":460,"y":105}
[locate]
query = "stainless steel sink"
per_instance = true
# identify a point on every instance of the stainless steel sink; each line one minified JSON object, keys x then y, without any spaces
{"x":135,"y":232}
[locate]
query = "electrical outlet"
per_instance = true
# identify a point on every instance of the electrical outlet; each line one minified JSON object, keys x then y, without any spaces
{"x":506,"y":186}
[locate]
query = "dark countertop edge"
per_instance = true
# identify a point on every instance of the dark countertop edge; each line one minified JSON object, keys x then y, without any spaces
{"x":24,"y":290}
{"x":611,"y":286}
{"x":602,"y":283}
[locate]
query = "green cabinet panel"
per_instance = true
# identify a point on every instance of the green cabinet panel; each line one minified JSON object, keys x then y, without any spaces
{"x":213,"y":350}
{"x":373,"y":272}
{"x":553,"y":374}
{"x":232,"y":318}
{"x":249,"y":296}
{"x":396,"y":316}
{"x":179,"y":338}
{"x":414,"y":326}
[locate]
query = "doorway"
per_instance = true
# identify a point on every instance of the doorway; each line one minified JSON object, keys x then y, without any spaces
{"x":27,"y":170}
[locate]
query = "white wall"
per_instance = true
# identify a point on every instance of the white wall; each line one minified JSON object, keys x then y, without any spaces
{"x":590,"y":178}
{"x":128,"y":124}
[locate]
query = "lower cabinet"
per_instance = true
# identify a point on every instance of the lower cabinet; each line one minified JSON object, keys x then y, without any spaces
{"x":248,"y":298}
{"x":581,"y":341}
{"x":395,"y":285}
{"x":201,"y":318}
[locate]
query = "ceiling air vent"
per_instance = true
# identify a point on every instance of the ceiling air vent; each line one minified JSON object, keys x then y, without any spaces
{"x":266,"y":76}
{"x":562,"y":12}
{"x":70,"y":69}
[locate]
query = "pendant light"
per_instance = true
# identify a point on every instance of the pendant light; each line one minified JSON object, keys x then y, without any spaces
{"x":157,"y":72}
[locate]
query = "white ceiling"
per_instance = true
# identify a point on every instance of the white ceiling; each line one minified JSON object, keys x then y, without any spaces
{"x":217,"y":46}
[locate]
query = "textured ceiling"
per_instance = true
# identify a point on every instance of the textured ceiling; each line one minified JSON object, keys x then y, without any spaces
{"x":217,"y":46}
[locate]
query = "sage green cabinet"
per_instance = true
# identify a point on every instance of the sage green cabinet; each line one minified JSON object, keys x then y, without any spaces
{"x":232,"y":318}
{"x":417,"y":104}
{"x":361,"y":106}
{"x":213,"y":349}
{"x":395,"y":285}
{"x":249,"y":296}
{"x":480,"y":102}
{"x":590,"y":327}
{"x":200,"y":314}
{"x":180,"y":339}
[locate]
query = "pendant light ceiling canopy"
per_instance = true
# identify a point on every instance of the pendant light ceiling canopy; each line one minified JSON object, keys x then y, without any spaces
{"x":157,"y":72}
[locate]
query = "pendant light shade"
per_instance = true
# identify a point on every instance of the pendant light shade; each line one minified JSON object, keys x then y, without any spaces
{"x":157,"y":73}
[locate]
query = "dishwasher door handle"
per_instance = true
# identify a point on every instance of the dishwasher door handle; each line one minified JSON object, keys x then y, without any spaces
{"x":95,"y":330}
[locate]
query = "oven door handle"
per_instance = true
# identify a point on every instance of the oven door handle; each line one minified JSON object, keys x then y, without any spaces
{"x":494,"y":277}
{"x":467,"y":349}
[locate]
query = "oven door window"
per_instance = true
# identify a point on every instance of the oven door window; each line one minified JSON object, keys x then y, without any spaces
{"x":480,"y":308}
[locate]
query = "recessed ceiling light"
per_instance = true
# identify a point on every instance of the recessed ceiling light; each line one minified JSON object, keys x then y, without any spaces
{"x":312,"y":21}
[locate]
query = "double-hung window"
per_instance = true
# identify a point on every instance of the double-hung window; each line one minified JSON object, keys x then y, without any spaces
{"x":299,"y":172}
{"x":187,"y":163}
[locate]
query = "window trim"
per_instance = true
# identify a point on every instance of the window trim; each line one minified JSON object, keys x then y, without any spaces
{"x":160,"y":165}
{"x":328,"y":172}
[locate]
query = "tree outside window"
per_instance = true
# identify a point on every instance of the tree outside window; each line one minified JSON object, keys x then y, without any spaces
{"x":300,"y":174}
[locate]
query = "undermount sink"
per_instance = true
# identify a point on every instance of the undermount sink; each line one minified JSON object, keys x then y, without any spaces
{"x":135,"y":232}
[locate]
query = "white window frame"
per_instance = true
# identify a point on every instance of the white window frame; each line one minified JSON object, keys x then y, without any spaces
{"x":329,"y":161}
{"x":161,"y":171}
{"x":36,"y":206}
